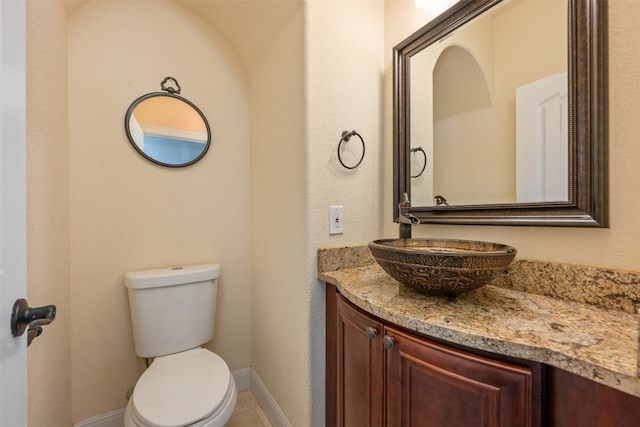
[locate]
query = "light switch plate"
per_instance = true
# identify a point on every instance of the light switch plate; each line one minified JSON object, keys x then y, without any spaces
{"x":336,"y":220}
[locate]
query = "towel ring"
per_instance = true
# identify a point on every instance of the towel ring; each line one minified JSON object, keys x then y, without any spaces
{"x":414,"y":150}
{"x":346,"y":136}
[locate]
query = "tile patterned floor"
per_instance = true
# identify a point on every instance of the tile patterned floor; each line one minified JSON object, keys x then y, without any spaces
{"x":248,"y":412}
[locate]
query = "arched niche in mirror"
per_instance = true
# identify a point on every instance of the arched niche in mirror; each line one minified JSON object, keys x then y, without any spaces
{"x":462,"y":100}
{"x":168,"y":129}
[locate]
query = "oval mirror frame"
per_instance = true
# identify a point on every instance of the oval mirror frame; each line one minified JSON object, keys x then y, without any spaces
{"x":588,"y":124}
{"x":191,"y":159}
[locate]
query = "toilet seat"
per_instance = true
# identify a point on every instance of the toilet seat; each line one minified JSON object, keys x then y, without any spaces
{"x":182,"y":389}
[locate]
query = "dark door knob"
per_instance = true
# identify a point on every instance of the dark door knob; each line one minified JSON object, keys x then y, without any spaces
{"x":371,"y":332}
{"x":388,"y":342}
{"x":33,"y":318}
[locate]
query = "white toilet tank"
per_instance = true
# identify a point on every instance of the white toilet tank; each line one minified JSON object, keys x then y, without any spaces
{"x":172,"y":309}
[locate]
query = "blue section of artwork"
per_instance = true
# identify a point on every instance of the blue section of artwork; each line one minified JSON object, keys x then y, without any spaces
{"x":170,"y":150}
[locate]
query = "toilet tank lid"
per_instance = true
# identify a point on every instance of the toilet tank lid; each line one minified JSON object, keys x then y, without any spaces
{"x":171,"y":276}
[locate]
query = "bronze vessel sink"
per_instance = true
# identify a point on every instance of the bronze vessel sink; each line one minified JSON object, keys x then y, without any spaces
{"x":442,"y":267}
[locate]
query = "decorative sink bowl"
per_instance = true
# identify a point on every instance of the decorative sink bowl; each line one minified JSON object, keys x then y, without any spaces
{"x":442,"y":267}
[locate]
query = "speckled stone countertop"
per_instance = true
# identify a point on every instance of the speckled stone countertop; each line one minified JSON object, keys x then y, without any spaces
{"x":592,"y":341}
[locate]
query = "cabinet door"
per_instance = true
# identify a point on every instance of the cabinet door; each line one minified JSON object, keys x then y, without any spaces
{"x":436,"y":386}
{"x":575,"y":401}
{"x":359,"y":368}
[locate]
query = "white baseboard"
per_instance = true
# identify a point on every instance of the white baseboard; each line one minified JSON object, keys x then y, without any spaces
{"x":267,"y":402}
{"x":242,"y":377}
{"x":110,"y":419}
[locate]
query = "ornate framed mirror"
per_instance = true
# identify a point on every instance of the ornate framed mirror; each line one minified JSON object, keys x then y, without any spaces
{"x":166,"y":128}
{"x":507,"y":99}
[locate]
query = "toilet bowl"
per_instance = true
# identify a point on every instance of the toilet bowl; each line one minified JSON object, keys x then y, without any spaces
{"x":172,"y":316}
{"x":194,"y":388}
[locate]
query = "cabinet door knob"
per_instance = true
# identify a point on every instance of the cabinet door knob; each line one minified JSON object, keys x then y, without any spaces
{"x":388,"y":342}
{"x":371,"y":332}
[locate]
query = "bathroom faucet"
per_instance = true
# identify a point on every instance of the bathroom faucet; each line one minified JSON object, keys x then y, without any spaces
{"x":406,"y":219}
{"x":441,"y":201}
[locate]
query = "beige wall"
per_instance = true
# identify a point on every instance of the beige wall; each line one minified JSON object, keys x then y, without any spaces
{"x":127,"y":213}
{"x":345,"y":84}
{"x":48,"y":275}
{"x":304,"y":93}
{"x":279,"y":307}
{"x":615,"y":247}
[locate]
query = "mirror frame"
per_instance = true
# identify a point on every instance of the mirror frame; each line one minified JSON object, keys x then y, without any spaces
{"x":588,"y":124}
{"x":135,"y":103}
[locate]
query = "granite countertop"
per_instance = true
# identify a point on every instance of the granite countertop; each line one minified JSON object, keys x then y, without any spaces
{"x":594,"y":342}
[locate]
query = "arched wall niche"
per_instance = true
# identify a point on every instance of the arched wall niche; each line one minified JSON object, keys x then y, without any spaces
{"x":127,"y":213}
{"x":263,"y":21}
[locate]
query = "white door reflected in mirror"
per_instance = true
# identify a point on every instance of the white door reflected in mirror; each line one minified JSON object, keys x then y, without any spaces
{"x":542,"y":140}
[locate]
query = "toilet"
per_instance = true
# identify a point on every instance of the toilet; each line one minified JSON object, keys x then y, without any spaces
{"x":172,"y":314}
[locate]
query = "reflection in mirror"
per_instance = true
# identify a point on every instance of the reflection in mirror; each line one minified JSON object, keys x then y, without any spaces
{"x":167,"y":129}
{"x":465,"y":98}
{"x":507,"y":99}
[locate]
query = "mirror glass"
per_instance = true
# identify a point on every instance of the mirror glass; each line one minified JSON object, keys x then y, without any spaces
{"x":167,"y":129}
{"x":475,"y":100}
{"x":500,"y":114}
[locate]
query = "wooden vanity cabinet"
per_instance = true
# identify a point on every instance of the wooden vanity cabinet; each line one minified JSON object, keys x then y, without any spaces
{"x":421,"y":382}
{"x":429,"y":384}
{"x":385,"y":376}
{"x":360,"y":374}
